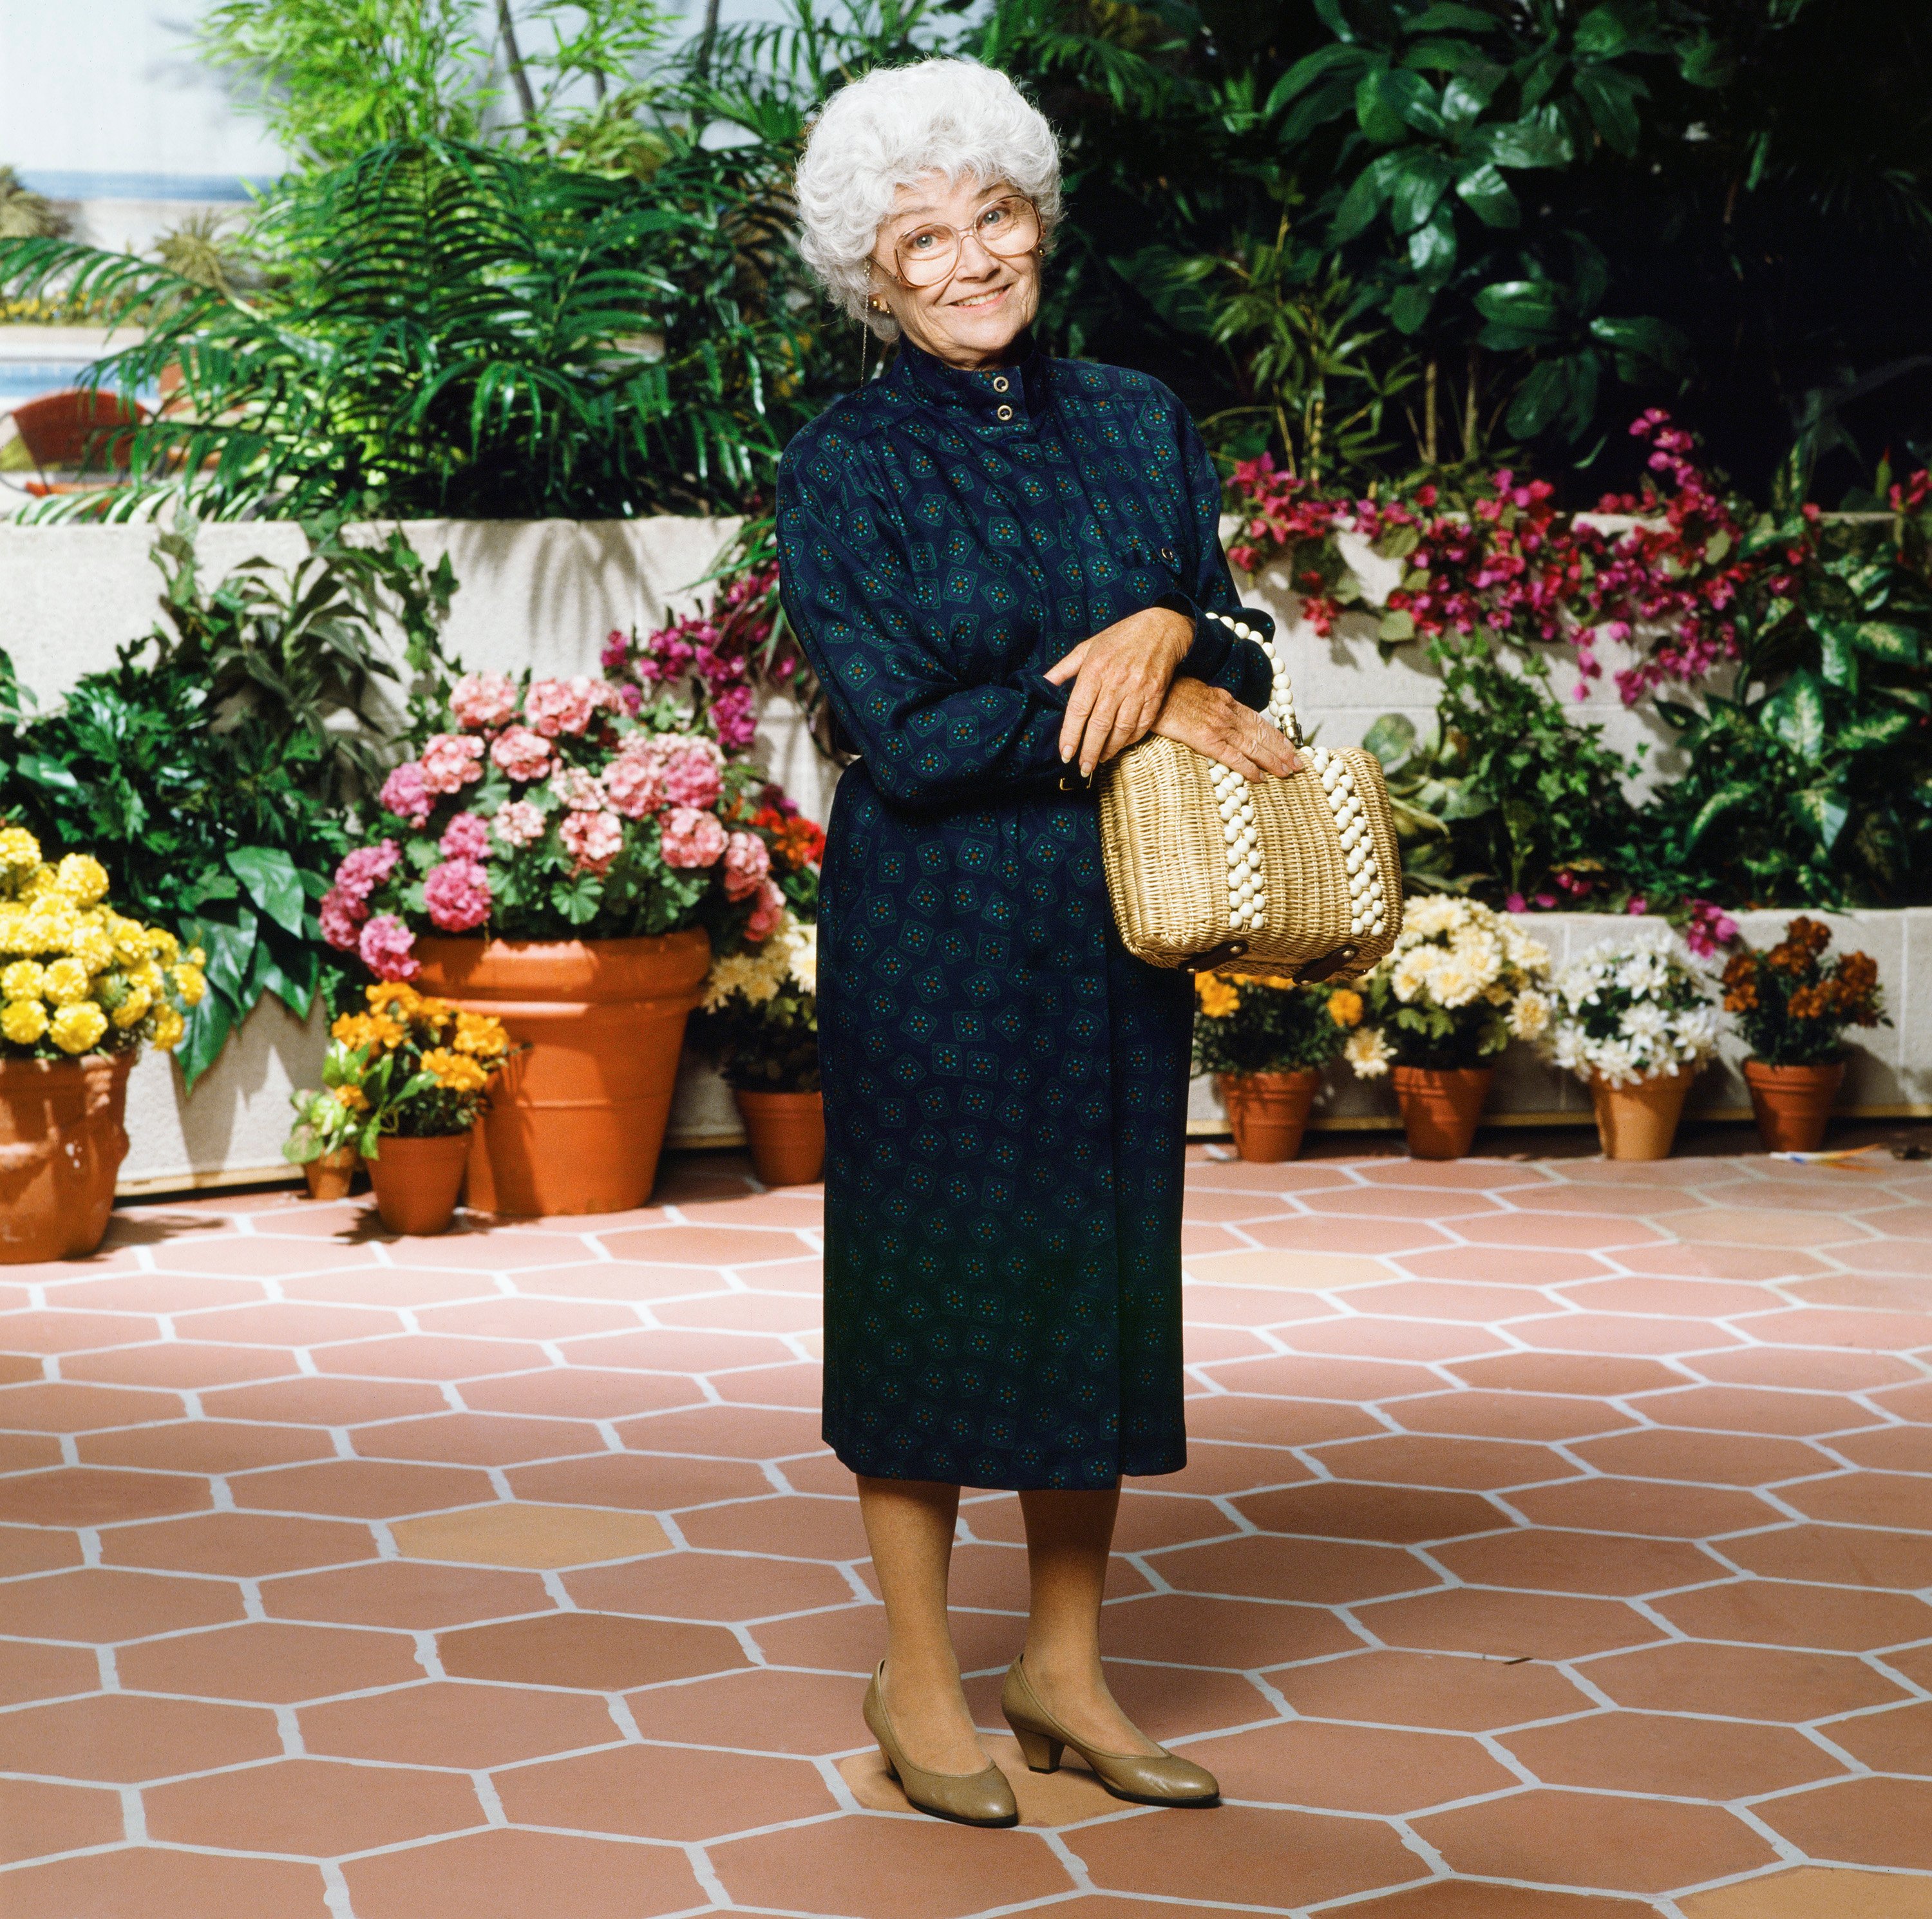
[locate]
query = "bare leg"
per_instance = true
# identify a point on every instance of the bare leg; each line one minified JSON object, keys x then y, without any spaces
{"x":909,"y":1525}
{"x":1069,"y":1535}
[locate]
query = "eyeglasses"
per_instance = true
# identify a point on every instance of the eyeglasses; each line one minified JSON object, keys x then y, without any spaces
{"x":1006,"y":227}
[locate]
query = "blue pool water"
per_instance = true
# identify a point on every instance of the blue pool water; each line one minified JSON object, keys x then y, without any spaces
{"x":28,"y":379}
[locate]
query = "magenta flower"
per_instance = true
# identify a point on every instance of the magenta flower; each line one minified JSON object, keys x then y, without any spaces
{"x":467,"y":837}
{"x":387,"y":948}
{"x":566,"y":705}
{"x":520,"y":753}
{"x":746,"y":863}
{"x":766,"y":914}
{"x":452,"y":761}
{"x":457,"y":895}
{"x":405,"y":794}
{"x":341,"y":918}
{"x":692,"y":775}
{"x":691,"y":838}
{"x":484,"y":701}
{"x":519,"y":823}
{"x":365,"y":869}
{"x":635,"y":782}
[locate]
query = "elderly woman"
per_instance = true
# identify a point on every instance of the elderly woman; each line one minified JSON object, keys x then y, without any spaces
{"x":999,"y":565}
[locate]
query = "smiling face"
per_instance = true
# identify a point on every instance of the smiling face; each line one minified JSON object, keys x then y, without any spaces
{"x":970,"y":320}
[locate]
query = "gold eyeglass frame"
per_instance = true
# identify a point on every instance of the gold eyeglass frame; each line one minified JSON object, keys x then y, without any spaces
{"x":960,"y":234}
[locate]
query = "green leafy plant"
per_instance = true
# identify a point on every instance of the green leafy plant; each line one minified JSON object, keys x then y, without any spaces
{"x":411,"y":1066}
{"x":1791,"y":1005}
{"x":208,"y":768}
{"x":759,"y":1017}
{"x":324,"y":1124}
{"x":1262,"y":1022}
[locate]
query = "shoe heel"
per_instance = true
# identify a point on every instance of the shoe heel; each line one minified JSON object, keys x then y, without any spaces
{"x":1041,"y":1754}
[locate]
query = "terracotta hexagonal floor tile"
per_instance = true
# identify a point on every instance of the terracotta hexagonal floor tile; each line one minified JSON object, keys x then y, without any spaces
{"x":1838,"y":1556}
{"x":871,"y":1867}
{"x":1401,"y":1514}
{"x":190,"y":1365}
{"x":581,"y":1392}
{"x":159,"y":1884}
{"x":671,"y":1245}
{"x":1660,"y":1509}
{"x":724,"y":1432}
{"x":1783,"y":1613}
{"x":1311,"y":1376}
{"x":490,"y":1875}
{"x":1728,"y":1459}
{"x":1803,"y":1367}
{"x":124,"y":1738}
{"x":1547,"y":1561}
{"x":36,"y":1549}
{"x":310,"y":1806}
{"x":642,"y":1482}
{"x":1287,"y":1271}
{"x":1671,"y":1755}
{"x":764,"y":1709}
{"x":1587,"y":1375}
{"x":267,"y":1660}
{"x":592,"y":1652}
{"x":100,"y":1604}
{"x":1895,"y":1449}
{"x":420,"y":1355}
{"x":502,"y":1316}
{"x":1862,"y":1821}
{"x":1816,"y":1892}
{"x":44,"y":1672}
{"x":1246,"y":1855}
{"x":1469,"y":1898}
{"x":1745,"y":1409}
{"x":36,"y":1818}
{"x":1621,"y":1333}
{"x":314,"y":1401}
{"x":1869,"y":1499}
{"x":1349,"y":1768}
{"x":708,"y":1585}
{"x":1444,"y":1691}
{"x":245,"y":1545}
{"x":1509,"y":1416}
{"x":94,"y":1496}
{"x":1764,"y":1226}
{"x":1882,"y":1332}
{"x":51,"y":1332}
{"x":1740,"y":1682}
{"x":478,"y":1439}
{"x":1897,"y":1741}
{"x":633,"y":1280}
{"x":536,"y":1537}
{"x":1193,"y":1629}
{"x":1508,"y":1266}
{"x":1582,"y":1839}
{"x":1241,"y":1419}
{"x":799,"y":1527}
{"x":413,"y":1594}
{"x":1328,"y":1572}
{"x":1433,"y":1460}
{"x":1505,"y":1625}
{"x":202,"y":1446}
{"x":362,"y":1488}
{"x":663,"y":1792}
{"x":465,"y":1723}
{"x":1358,"y":1335}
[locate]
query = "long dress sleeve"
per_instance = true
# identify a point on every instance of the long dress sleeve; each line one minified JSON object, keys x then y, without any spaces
{"x":928,"y":738}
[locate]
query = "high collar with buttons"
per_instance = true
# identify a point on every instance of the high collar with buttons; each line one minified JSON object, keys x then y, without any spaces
{"x":999,"y":397}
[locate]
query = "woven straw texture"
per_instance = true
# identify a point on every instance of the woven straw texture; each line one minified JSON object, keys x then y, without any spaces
{"x":1161,"y":839}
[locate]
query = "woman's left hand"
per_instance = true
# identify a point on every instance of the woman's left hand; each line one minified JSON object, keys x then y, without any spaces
{"x":1120,"y":679}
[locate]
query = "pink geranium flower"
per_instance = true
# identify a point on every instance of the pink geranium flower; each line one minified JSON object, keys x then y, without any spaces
{"x":692,"y":774}
{"x":405,"y":794}
{"x":467,"y":837}
{"x":581,"y":792}
{"x":341,"y":918}
{"x":388,"y":949}
{"x":365,"y":869}
{"x":484,"y":701}
{"x":766,"y":915}
{"x":746,"y":863}
{"x":521,"y":754}
{"x":691,"y":838}
{"x":595,"y":840}
{"x":635,"y":782}
{"x":519,"y":823}
{"x":457,"y":895}
{"x":452,"y":761}
{"x":554,"y":706}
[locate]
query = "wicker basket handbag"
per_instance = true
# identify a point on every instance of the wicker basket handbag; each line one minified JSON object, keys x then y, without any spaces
{"x":1209,"y":872}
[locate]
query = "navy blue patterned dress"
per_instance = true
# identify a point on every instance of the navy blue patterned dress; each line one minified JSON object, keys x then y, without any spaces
{"x":1005,"y":1087}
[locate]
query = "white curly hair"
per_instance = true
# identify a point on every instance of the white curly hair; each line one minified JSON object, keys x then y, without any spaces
{"x":954,"y":117}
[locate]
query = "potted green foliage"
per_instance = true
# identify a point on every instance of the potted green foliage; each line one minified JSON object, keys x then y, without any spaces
{"x":1265,"y":1038}
{"x":322,"y":1141}
{"x":1791,"y":1006}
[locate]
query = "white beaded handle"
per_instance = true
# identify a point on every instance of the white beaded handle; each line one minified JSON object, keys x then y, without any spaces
{"x":1246,"y":899}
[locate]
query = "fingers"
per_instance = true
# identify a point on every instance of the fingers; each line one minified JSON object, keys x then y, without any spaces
{"x":1062,"y":670}
{"x":1101,"y":724}
{"x":1079,"y":704}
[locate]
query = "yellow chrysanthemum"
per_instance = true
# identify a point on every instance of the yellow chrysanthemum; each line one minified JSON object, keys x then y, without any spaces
{"x":1344,"y":1008}
{"x":82,"y":878}
{"x":455,"y":1072}
{"x":149,"y":975}
{"x":163,"y":944}
{"x":397,"y":993}
{"x":351,"y":1098}
{"x":77,"y":1027}
{"x":93,"y":946}
{"x":134,"y":1008}
{"x":65,"y":983}
{"x":13,"y":927}
{"x":1219,"y":997}
{"x":49,"y":926}
{"x":131,"y":940}
{"x":23,"y":1021}
{"x":169,"y":1025}
{"x":42,"y":881}
{"x":22,"y":980}
{"x":18,"y":848}
{"x":480,"y":1035}
{"x":191,"y":983}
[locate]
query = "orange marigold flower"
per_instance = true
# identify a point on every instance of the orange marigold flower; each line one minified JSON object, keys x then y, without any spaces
{"x":478,"y":1034}
{"x":352,"y":1098}
{"x":1741,"y":999}
{"x":397,"y":993}
{"x":454,"y":1072}
{"x":1344,"y":1008}
{"x":1810,"y":1002}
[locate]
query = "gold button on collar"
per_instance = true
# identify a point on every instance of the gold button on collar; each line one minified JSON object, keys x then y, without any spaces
{"x":999,"y":385}
{"x":1005,"y":413}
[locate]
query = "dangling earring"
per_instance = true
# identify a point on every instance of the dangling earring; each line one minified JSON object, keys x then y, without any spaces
{"x":877,"y":305}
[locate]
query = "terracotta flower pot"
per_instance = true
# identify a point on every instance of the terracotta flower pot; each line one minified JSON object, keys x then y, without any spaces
{"x":1440,"y":1106}
{"x":1268,"y":1112}
{"x":786,"y":1132}
{"x":62,"y":1140}
{"x":329,"y":1177}
{"x":1639,"y":1121}
{"x":1793,"y":1104}
{"x":576,"y":1120}
{"x":417,"y":1181}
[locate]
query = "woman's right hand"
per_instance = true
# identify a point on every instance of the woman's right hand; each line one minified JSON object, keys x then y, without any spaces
{"x":1217,"y":723}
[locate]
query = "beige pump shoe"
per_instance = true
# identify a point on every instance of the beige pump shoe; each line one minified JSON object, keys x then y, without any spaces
{"x":971,"y":1799}
{"x":1149,"y":1779}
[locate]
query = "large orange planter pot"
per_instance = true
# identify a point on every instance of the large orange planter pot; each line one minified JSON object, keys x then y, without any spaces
{"x":1268,"y":1113}
{"x":786,"y":1132}
{"x":1793,"y":1104}
{"x":576,"y":1120}
{"x":1639,"y":1121}
{"x":1440,"y":1107}
{"x":63,"y":1136}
